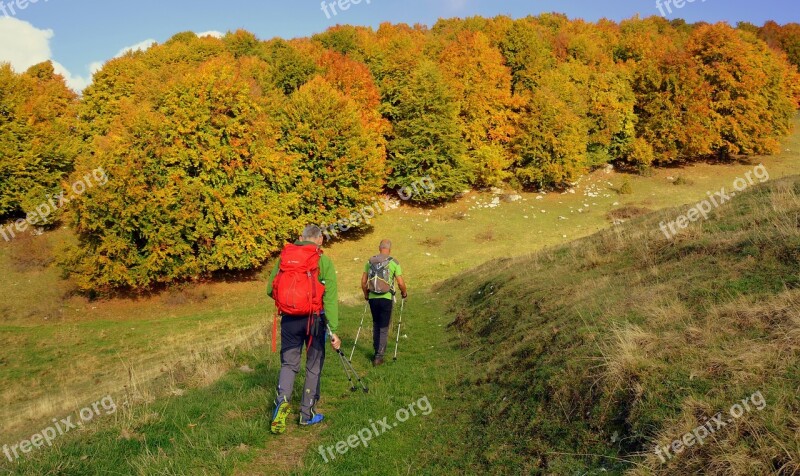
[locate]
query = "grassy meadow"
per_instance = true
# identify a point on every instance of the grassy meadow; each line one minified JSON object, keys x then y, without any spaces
{"x":607,"y":316}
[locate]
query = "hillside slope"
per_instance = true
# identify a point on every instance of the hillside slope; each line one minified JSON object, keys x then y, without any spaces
{"x":590,"y":356}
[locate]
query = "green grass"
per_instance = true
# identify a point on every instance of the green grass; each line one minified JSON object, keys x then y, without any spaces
{"x":224,"y":427}
{"x":59,"y":351}
{"x":587,"y":356}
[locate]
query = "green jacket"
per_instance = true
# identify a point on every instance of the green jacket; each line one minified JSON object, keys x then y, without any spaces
{"x":327,"y":276}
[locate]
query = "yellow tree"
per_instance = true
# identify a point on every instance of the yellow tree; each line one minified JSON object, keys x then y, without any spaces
{"x":481,"y":82}
{"x":673,"y":118}
{"x":38,"y":140}
{"x":751,"y":88}
{"x":189,"y":189}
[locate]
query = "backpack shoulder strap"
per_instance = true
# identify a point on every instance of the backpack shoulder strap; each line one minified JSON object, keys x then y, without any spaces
{"x":316,"y":256}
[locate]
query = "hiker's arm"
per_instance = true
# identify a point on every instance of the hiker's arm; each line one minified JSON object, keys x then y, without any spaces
{"x":398,"y":277}
{"x":364,"y":287}
{"x":275,"y":270}
{"x":402,"y":285}
{"x":330,"y":299}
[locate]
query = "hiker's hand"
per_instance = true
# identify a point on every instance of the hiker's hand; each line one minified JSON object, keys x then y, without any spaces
{"x":335,"y":341}
{"x":405,"y":295}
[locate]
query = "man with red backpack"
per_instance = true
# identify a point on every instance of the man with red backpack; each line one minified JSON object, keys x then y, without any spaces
{"x":303,"y":285}
{"x":382,"y":274}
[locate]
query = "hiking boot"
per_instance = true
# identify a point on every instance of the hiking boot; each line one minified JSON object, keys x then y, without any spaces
{"x":377,"y":362}
{"x":317,"y":418}
{"x":282,"y":411}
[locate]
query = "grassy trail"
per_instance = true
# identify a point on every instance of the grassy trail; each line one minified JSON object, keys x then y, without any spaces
{"x":224,"y":428}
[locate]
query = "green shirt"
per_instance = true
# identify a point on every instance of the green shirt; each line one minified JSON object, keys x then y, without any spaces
{"x":327,"y":276}
{"x":395,"y":270}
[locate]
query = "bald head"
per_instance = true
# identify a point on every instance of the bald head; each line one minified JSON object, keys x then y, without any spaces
{"x":385,"y":246}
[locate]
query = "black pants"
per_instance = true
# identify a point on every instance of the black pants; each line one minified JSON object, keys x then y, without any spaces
{"x":381,"y":319}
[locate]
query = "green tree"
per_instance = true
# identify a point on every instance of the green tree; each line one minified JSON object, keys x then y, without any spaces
{"x":290,"y":69}
{"x":550,"y":145}
{"x":332,"y":160}
{"x":427,"y":140}
{"x":528,"y":53}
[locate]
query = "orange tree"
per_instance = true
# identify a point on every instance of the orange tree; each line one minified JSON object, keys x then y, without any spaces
{"x":38,"y":142}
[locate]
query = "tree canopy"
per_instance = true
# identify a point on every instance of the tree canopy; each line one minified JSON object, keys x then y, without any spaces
{"x":218,"y":149}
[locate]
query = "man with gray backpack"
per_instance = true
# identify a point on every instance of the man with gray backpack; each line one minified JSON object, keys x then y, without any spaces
{"x":380,"y":281}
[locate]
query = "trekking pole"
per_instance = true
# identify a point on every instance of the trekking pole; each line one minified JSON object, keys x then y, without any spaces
{"x":359,"y":331}
{"x":346,"y":363}
{"x":347,"y":372}
{"x":397,"y":340}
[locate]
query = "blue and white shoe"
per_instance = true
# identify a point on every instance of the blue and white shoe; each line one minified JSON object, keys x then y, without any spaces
{"x":316,"y":418}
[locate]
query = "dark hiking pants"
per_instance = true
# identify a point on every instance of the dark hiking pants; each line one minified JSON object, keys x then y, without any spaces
{"x":294,"y":339}
{"x":381,"y":319}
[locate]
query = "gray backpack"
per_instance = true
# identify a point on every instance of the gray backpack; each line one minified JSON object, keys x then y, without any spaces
{"x":380,"y":279}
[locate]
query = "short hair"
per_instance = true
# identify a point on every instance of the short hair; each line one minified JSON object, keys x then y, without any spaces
{"x":311,"y":233}
{"x":385,"y":245}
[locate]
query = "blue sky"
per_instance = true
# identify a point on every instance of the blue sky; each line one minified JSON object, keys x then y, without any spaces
{"x":80,"y":33}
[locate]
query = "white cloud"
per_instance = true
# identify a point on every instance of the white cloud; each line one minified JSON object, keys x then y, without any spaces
{"x":214,"y":33}
{"x":96,"y":66}
{"x":23,"y":45}
{"x":74,"y":82}
{"x":141,"y":46}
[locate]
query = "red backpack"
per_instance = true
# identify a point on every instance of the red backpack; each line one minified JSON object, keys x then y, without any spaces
{"x":296,"y":288}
